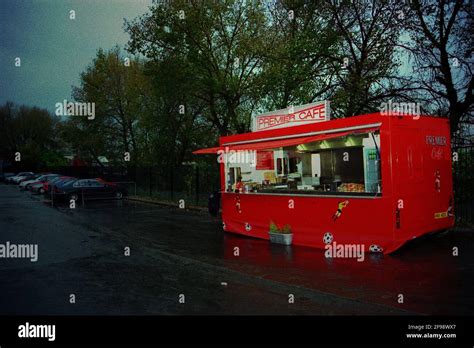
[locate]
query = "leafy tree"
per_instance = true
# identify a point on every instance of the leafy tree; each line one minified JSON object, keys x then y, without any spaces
{"x":174,"y":124}
{"x":31,"y":131}
{"x":220,"y":45}
{"x":298,"y":65}
{"x":117,"y":87}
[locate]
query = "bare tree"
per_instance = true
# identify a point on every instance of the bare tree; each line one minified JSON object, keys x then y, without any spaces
{"x":441,"y":34}
{"x":367,"y":65}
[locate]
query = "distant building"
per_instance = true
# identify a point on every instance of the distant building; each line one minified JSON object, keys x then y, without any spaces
{"x":77,"y":161}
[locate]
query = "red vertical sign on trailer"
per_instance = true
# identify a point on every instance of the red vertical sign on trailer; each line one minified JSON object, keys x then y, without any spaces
{"x":265,"y":160}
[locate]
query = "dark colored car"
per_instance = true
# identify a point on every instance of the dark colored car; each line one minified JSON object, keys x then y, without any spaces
{"x":87,"y":189}
{"x":48,"y":185}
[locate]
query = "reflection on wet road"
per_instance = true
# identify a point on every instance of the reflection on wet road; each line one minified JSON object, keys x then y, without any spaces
{"x":180,"y":251}
{"x":425,"y":272}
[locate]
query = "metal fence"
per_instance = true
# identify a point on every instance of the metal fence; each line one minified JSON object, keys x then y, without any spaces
{"x":193,"y":182}
{"x":463,"y":178}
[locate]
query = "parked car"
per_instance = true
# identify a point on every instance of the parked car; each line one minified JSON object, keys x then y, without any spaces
{"x":26,"y":181}
{"x":24,"y":185}
{"x":87,"y":189}
{"x":47,"y":186}
{"x":38,"y":186}
{"x":25,"y":178}
{"x":16,"y":179}
{"x":10,"y":179}
{"x":5,"y":176}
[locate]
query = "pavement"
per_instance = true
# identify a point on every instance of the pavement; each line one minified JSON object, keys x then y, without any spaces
{"x":181,"y":262}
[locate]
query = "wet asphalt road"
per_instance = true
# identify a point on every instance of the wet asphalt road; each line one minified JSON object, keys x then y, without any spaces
{"x":174,"y":252}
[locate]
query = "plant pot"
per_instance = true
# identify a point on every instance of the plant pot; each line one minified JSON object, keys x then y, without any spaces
{"x":281,"y":238}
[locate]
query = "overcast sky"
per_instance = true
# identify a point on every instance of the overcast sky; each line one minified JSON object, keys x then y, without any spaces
{"x":54,"y":49}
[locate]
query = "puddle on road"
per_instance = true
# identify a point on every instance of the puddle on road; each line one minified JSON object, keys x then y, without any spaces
{"x":426,"y":273}
{"x":427,"y":277}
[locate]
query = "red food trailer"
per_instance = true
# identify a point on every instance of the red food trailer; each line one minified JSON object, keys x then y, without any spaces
{"x":372,"y":180}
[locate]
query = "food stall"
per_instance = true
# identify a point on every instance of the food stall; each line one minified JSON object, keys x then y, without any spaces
{"x":373,"y":180}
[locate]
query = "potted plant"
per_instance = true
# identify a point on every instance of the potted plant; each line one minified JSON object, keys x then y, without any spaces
{"x":280,"y":235}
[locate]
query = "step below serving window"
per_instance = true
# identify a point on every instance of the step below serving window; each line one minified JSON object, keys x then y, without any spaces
{"x":348,"y":165}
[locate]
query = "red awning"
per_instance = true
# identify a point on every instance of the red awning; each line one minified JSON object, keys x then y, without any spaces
{"x":273,"y":144}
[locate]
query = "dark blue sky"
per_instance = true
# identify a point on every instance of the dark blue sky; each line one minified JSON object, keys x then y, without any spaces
{"x":54,"y":49}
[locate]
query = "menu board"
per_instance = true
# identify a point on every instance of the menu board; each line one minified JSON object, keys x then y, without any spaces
{"x":265,"y":160}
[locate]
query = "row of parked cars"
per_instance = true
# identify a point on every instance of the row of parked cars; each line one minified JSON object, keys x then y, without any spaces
{"x":61,"y":187}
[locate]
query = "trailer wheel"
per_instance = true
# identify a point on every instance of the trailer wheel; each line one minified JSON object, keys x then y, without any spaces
{"x":248,"y":227}
{"x":328,"y":238}
{"x":375,"y":249}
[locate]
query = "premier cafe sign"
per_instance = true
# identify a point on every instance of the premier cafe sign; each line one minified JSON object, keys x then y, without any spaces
{"x":292,"y":116}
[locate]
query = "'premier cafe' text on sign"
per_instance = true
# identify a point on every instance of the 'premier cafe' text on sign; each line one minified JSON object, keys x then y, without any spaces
{"x":308,"y":114}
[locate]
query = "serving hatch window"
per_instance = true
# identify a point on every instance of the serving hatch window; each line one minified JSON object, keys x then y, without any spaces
{"x":346,"y":165}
